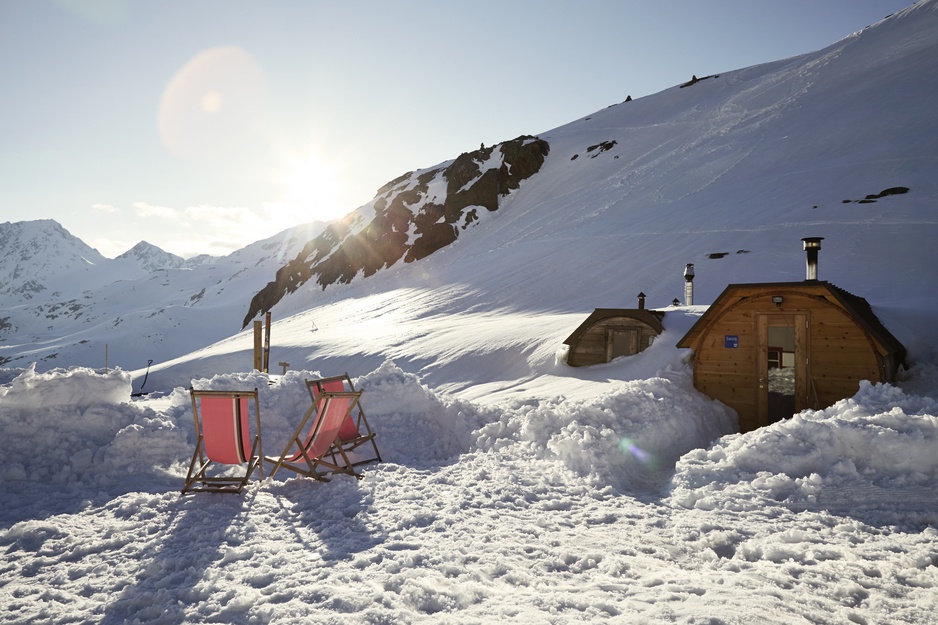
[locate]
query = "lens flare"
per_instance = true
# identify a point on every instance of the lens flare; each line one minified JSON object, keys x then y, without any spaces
{"x":215,"y":106}
{"x":627,"y":445}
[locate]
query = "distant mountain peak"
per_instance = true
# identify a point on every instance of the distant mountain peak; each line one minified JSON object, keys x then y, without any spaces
{"x":151,"y":258}
{"x":40,"y":253}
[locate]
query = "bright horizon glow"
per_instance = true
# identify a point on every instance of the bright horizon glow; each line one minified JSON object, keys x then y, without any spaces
{"x":311,"y":189}
{"x":281,"y":114}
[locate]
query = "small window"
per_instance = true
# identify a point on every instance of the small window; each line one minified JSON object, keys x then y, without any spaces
{"x":775,"y":357}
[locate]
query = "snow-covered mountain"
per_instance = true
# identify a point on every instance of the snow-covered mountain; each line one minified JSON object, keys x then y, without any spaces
{"x":65,"y":304}
{"x":727,"y":171}
{"x":151,"y":258}
{"x":40,"y":258}
{"x":411,"y":217}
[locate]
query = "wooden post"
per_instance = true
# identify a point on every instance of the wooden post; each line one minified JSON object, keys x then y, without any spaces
{"x":258,"y":346}
{"x":267,"y":344}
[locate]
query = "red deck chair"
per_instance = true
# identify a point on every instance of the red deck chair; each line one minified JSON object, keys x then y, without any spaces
{"x":355,"y":431}
{"x":321,"y":423}
{"x":223,"y":436}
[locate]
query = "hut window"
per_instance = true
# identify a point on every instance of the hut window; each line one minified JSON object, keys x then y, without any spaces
{"x":775,"y":358}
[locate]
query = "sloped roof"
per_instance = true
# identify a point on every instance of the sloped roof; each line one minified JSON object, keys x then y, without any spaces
{"x":651,"y":317}
{"x":857,"y":306}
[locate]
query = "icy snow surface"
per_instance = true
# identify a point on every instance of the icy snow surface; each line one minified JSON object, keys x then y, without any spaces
{"x":557,"y":510}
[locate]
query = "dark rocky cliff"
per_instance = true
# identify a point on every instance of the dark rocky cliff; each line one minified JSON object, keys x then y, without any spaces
{"x":414,"y":216}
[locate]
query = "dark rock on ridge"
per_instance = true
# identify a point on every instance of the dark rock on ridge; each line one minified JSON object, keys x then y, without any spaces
{"x":410,"y":220}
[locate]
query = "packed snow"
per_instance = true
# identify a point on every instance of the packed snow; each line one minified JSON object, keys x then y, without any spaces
{"x":513,"y":487}
{"x":638,"y":506}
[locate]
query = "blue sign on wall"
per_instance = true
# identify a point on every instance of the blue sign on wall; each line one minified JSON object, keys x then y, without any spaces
{"x":731,"y":341}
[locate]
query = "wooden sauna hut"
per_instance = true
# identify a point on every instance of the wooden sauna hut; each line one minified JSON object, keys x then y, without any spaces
{"x":612,"y":332}
{"x":770,"y":350}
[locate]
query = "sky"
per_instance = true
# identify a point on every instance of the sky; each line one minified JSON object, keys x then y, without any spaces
{"x":204,"y":126}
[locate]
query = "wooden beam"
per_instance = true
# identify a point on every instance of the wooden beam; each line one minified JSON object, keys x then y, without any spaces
{"x":258,"y":345}
{"x":267,"y":343}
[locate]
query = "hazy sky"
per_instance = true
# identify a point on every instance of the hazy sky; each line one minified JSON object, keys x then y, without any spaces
{"x":204,"y":125}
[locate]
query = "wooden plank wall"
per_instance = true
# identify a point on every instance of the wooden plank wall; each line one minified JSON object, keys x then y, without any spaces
{"x":841,"y":356}
{"x":840,"y":353}
{"x":729,"y":374}
{"x":590,"y":349}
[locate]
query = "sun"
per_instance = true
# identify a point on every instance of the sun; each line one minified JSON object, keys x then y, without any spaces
{"x":312,"y":188}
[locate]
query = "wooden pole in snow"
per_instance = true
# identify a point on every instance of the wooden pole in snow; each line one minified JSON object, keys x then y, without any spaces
{"x":258,"y":346}
{"x":267,"y":343}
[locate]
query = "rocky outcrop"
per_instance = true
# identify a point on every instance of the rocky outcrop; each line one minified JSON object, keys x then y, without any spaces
{"x":411,"y":217}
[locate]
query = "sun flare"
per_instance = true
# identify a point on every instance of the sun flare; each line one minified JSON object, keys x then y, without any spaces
{"x":311,"y":187}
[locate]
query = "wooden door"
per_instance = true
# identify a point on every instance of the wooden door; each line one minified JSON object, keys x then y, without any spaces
{"x":622,"y":342}
{"x":782,"y":365}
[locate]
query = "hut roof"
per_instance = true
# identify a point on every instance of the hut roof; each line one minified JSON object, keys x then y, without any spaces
{"x":857,"y":306}
{"x":651,"y":317}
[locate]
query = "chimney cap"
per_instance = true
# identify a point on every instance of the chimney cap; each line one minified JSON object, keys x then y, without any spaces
{"x":812,"y":242}
{"x":689,"y":270}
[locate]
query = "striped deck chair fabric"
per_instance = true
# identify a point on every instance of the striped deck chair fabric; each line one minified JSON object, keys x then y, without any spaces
{"x":355,"y":431}
{"x":223,"y":437}
{"x":310,"y":451}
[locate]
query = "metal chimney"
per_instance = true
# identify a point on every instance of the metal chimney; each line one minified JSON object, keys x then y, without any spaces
{"x":641,"y":301}
{"x":689,"y":284}
{"x":812,"y":245}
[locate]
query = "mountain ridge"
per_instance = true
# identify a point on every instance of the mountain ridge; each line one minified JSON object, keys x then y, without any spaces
{"x":411,"y":217}
{"x":134,"y":303}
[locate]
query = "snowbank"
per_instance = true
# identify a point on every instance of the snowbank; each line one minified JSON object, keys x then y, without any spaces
{"x":64,"y":426}
{"x":535,"y":509}
{"x":881,"y":440}
{"x":628,"y":438}
{"x":77,"y":387}
{"x":79,"y":425}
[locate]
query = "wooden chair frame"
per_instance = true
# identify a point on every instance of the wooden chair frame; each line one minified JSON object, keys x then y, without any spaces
{"x":348,"y":441}
{"x":201,"y":461}
{"x":323,"y":421}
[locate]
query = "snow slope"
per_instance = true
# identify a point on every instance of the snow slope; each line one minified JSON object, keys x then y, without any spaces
{"x":728,"y":173}
{"x":515,"y":488}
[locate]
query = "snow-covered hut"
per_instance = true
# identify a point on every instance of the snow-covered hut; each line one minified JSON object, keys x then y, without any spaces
{"x":770,"y":350}
{"x":612,"y":332}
